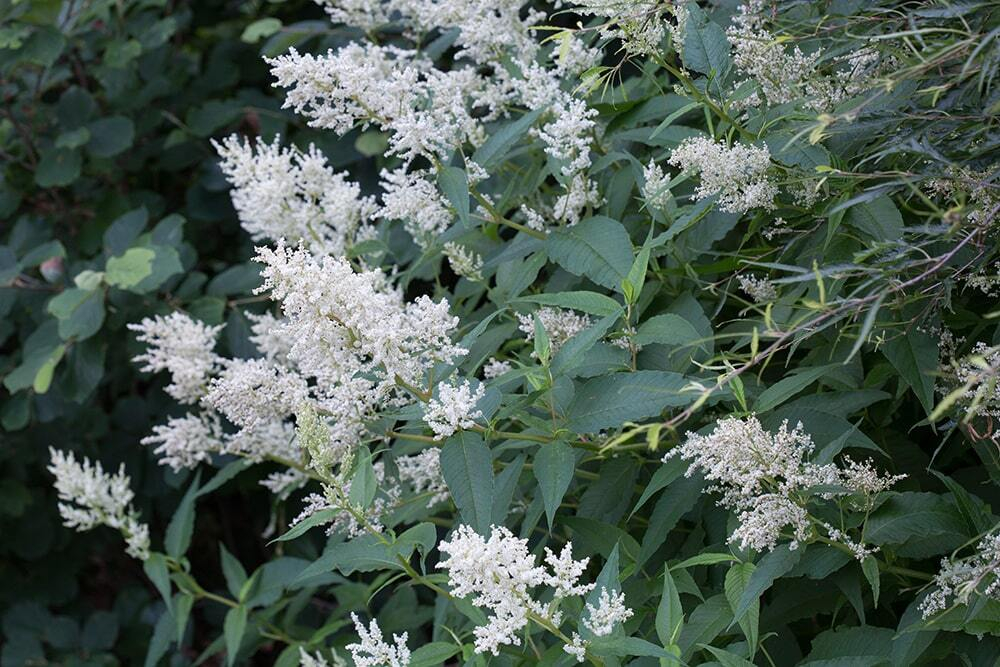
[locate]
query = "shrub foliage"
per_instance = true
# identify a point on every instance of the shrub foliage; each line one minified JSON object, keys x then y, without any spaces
{"x":616,"y":332}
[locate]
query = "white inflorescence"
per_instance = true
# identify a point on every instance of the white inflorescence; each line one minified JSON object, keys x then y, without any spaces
{"x":655,"y":188}
{"x":251,"y":392}
{"x":423,"y":472}
{"x":464,"y":262}
{"x":183,"y":347}
{"x":500,"y":573}
{"x":609,"y":612}
{"x":959,"y":579}
{"x":766,"y":478}
{"x":738,"y":175}
{"x":639,"y":24}
{"x":307,"y":660}
{"x":354,"y":334}
{"x":284,"y":193}
{"x":454,"y":408}
{"x":761,"y":290}
{"x":373,"y":651}
{"x":184,"y":442}
{"x":559,"y":324}
{"x":91,"y":497}
{"x":494,"y":368}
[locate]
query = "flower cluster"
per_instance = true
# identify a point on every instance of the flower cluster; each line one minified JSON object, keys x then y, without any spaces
{"x":373,"y":651}
{"x":501,"y":573}
{"x":289,"y":194}
{"x":181,"y":346}
{"x":738,"y":175}
{"x":768,"y":480}
{"x":90,"y":497}
{"x":560,"y":325}
{"x":761,"y":290}
{"x":454,"y":408}
{"x":959,"y":579}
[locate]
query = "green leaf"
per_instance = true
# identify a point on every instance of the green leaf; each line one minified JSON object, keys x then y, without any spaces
{"x":57,"y":167}
{"x":878,"y":218}
{"x":913,"y":515}
{"x":664,"y":475}
{"x":260,"y":29}
{"x":80,"y":312}
{"x":620,"y":646}
{"x":124,"y":230}
{"x":783,"y":389}
{"x":598,"y":248}
{"x":669,"y":329}
{"x":129,"y":269}
{"x":155,"y":568}
{"x":591,"y":303}
{"x":433,"y":654}
{"x":467,"y":468}
{"x":495,"y":148}
{"x":43,"y":377}
{"x":611,"y":400}
{"x":232,"y":570}
{"x":234,"y":628}
{"x":110,"y":136}
{"x":677,"y":500}
{"x":771,"y":567}
{"x":455,"y":185}
{"x":320,"y":518}
{"x":737,"y":580}
{"x":574,"y":352}
{"x":636,"y":278}
{"x":869,"y":567}
{"x":727,"y":659}
{"x":238,"y":279}
{"x":363,"y":483}
{"x":706,"y":49}
{"x":504,"y":487}
{"x":670,"y":613}
{"x":915,"y":356}
{"x":163,"y":634}
{"x":704,"y":559}
{"x":862,"y":645}
{"x":178,"y":536}
{"x":554,"y":466}
{"x":542,"y":344}
{"x":705,"y":623}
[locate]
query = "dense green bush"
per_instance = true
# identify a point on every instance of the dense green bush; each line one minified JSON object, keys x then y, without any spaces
{"x":704,"y":293}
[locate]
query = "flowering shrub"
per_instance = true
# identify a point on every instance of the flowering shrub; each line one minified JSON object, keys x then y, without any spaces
{"x":652,"y":333}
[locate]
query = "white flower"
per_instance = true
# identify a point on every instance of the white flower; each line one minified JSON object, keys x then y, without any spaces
{"x":184,"y":442}
{"x":494,"y":368}
{"x":253,"y":391}
{"x":285,"y":193}
{"x":566,"y":572}
{"x":560,"y":325}
{"x":567,"y":136}
{"x":581,"y":193}
{"x":767,"y":479}
{"x":959,"y":579}
{"x":307,"y":660}
{"x":761,"y":290}
{"x":738,"y":174}
{"x":414,"y":199}
{"x":610,"y":611}
{"x":423,"y":472}
{"x":373,"y":651}
{"x":91,"y":497}
{"x":655,"y":188}
{"x":183,"y":347}
{"x":500,"y":573}
{"x":463,"y":261}
{"x":454,"y":408}
{"x":638,"y":23}
{"x":577,"y":647}
{"x":352,"y":336}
